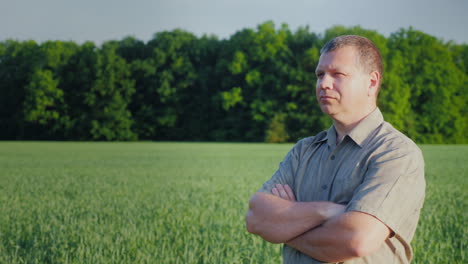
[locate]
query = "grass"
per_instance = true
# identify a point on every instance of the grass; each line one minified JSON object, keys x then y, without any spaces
{"x":177,"y":203}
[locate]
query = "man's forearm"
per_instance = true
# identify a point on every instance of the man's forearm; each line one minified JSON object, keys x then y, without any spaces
{"x":323,"y":243}
{"x":278,"y":220}
{"x":346,"y":236}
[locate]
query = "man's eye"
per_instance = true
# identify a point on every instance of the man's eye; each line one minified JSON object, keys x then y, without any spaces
{"x":319,"y":75}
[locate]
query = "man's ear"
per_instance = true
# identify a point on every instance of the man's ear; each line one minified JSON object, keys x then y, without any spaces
{"x":374,"y":83}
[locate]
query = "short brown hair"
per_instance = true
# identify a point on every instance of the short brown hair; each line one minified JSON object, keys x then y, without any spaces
{"x":369,"y":57}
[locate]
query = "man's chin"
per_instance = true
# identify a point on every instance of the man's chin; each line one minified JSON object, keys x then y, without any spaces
{"x":327,"y":109}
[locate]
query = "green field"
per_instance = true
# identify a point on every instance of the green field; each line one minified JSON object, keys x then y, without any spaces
{"x":177,"y":203}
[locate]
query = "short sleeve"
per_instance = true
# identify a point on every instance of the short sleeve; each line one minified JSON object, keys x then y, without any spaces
{"x":393,"y":189}
{"x":285,"y":172}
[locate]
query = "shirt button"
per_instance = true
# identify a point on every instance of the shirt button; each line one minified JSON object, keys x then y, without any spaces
{"x":332,"y":157}
{"x":324,"y":186}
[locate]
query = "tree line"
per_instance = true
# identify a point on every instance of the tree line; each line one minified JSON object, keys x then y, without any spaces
{"x":257,"y":85}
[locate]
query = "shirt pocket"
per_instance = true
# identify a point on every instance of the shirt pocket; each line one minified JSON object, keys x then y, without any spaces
{"x":346,"y":181}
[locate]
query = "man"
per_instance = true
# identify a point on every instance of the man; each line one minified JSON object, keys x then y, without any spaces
{"x":350,"y":194}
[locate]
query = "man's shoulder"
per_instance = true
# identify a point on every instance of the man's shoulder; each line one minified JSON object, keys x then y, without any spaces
{"x":391,"y":138}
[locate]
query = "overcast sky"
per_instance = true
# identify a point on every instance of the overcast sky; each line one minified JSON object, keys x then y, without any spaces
{"x":100,"y":20}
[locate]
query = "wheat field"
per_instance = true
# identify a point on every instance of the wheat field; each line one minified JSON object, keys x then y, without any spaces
{"x":159,"y":202}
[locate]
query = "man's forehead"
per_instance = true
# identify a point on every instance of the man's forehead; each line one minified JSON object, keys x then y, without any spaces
{"x":337,"y":59}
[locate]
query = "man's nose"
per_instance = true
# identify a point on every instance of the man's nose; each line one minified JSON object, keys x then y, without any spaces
{"x":326,"y":82}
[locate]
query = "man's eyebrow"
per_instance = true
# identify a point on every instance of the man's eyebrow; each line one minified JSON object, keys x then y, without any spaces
{"x":329,"y":69}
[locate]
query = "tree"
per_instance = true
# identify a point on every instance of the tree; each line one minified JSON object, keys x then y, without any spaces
{"x":42,"y":98}
{"x":200,"y":116}
{"x":276,"y":132}
{"x":257,"y":85}
{"x":18,"y":63}
{"x":109,"y":97}
{"x":167,"y":75}
{"x":256,"y":63}
{"x":44,"y":106}
{"x":77,"y":78}
{"x":395,"y":94}
{"x":435,"y":85}
{"x":303,"y":115}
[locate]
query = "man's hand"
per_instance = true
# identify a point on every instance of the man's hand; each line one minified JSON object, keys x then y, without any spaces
{"x":284,"y":192}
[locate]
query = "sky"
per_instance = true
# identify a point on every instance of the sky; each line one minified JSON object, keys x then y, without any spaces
{"x":101,"y":20}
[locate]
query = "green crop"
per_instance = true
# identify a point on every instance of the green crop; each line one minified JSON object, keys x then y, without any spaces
{"x":149,"y":202}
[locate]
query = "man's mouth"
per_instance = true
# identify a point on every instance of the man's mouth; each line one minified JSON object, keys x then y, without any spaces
{"x":325,"y":97}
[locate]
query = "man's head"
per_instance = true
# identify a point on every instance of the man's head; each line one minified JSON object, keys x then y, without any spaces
{"x":348,"y":78}
{"x":368,"y":54}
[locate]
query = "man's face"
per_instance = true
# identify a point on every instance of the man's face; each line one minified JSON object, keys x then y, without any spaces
{"x":342,"y":86}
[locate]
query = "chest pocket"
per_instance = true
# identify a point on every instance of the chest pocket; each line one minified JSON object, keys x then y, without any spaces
{"x":347,"y":178}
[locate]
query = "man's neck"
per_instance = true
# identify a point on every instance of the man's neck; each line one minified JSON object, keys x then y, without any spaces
{"x":344,"y":127}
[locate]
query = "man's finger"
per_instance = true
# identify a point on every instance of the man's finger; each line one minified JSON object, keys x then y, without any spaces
{"x":282,"y":192}
{"x":275,"y":192}
{"x":290,"y":192}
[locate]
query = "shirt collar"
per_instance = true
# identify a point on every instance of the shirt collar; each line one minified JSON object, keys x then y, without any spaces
{"x":359,"y":133}
{"x":363,"y":130}
{"x":331,"y":136}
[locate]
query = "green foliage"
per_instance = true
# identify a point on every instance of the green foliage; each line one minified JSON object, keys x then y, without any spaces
{"x":238,"y":64}
{"x":177,"y":203}
{"x":178,"y":86}
{"x":77,"y":80}
{"x":276,"y":132}
{"x":395,"y":94}
{"x":231,"y":98}
{"x":18,"y":62}
{"x":165,"y":79}
{"x":435,"y":101}
{"x":42,"y":98}
{"x":109,"y":96}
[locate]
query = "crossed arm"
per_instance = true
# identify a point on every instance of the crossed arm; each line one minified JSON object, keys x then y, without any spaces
{"x":322,"y":230}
